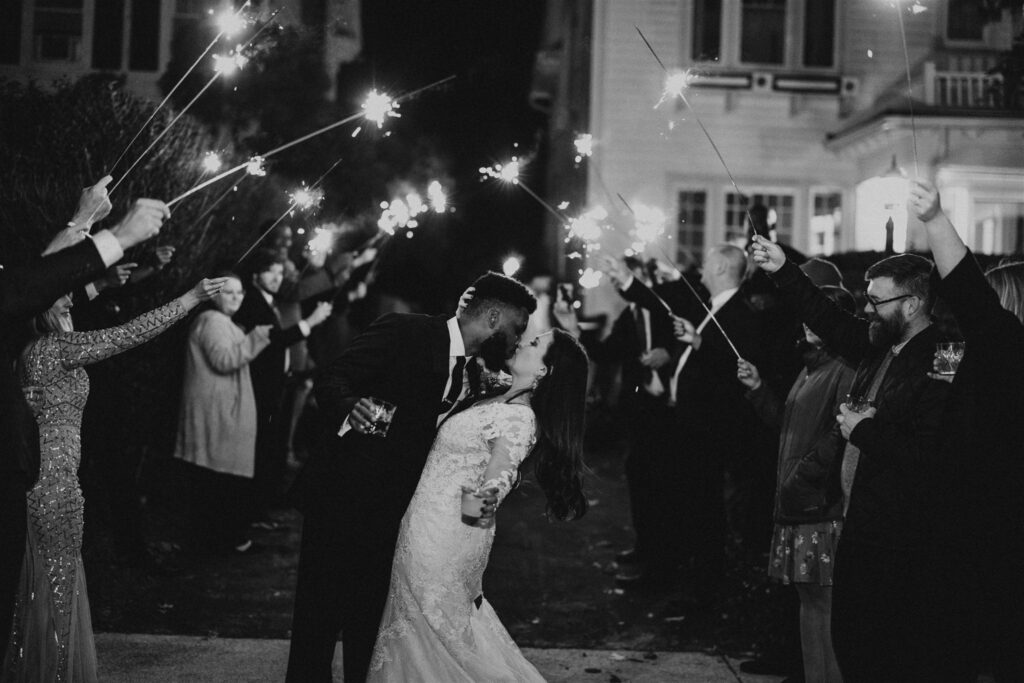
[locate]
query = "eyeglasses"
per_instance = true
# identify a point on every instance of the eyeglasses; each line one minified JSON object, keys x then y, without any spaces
{"x":875,"y":303}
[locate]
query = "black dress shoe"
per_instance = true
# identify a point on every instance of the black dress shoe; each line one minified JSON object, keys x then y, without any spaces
{"x":630,"y":556}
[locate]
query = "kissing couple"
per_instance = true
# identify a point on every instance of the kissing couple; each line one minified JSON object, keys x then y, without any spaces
{"x":386,"y":558}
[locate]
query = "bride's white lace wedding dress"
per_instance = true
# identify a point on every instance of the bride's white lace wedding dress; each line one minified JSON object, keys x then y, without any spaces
{"x":436,"y":625}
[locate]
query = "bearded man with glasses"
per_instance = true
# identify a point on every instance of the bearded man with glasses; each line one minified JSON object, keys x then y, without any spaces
{"x":887,"y":469}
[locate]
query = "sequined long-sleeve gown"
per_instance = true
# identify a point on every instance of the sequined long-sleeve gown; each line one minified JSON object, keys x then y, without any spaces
{"x":52,"y":636}
{"x":432,"y":629}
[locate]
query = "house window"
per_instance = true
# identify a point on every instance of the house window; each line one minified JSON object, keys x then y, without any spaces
{"x":707,"y":30}
{"x":789,"y":34}
{"x":144,"y":45}
{"x":780,"y":215}
{"x":108,"y":34}
{"x":692,"y":218}
{"x":57,"y":30}
{"x":826,"y":222}
{"x":10,"y":32}
{"x":763,"y":32}
{"x":964,"y":21}
{"x":819,"y":33}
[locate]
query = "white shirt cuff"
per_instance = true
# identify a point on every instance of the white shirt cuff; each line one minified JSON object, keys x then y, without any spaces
{"x":91,"y":291}
{"x":345,"y":427}
{"x":628,"y":283}
{"x":108,"y":246}
{"x":304,"y":326}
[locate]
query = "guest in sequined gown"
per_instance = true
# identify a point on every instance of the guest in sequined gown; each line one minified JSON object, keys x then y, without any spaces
{"x":52,"y":637}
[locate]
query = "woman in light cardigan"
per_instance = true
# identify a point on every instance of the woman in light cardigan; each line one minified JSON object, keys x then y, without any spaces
{"x":217,"y":421}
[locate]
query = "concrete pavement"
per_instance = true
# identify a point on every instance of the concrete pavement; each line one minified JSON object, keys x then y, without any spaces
{"x":131,"y":658}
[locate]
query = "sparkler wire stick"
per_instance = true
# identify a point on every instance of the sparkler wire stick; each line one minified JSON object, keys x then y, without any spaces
{"x":693,"y":291}
{"x":188,"y":106}
{"x":291,"y":207}
{"x":910,"y":99}
{"x":287,"y":145}
{"x":696,"y":117}
{"x":181,"y":80}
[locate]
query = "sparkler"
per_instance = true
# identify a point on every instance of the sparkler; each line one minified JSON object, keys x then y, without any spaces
{"x":379,"y":106}
{"x":590,"y":278}
{"x":511,"y":266}
{"x":212,"y":162}
{"x":584,"y":144}
{"x":437,"y":197}
{"x":910,"y":91}
{"x":675,"y":84}
{"x":300,"y":140}
{"x":291,"y":207}
{"x":688,"y":286}
{"x":234,"y":62}
{"x":307,"y":199}
{"x":229,"y":23}
{"x":323,"y":241}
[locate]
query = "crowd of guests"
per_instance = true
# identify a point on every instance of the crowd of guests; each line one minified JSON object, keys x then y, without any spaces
{"x":895,"y":507}
{"x":760,"y":402}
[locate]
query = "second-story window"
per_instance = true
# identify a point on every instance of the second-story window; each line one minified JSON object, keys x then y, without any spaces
{"x":57,"y":30}
{"x":790,"y":34}
{"x":763,"y":32}
{"x":964,"y":21}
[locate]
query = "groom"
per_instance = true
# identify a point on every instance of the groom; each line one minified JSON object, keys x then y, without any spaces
{"x":355,"y":490}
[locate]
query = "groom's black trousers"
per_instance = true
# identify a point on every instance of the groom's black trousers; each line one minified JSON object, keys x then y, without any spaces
{"x":342,"y":586}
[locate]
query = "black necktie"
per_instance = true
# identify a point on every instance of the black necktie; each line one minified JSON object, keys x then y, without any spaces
{"x":456,"y":388}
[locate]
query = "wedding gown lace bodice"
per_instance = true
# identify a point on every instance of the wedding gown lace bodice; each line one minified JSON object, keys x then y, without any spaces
{"x":436,"y":626}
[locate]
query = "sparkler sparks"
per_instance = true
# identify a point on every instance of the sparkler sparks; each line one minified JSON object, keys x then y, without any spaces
{"x":231,"y":62}
{"x":590,"y":278}
{"x":587,"y":226}
{"x":230,"y":22}
{"x":508,"y":172}
{"x":379,"y":106}
{"x":306,"y":198}
{"x":676,"y":82}
{"x":511,"y":266}
{"x":437,"y":197}
{"x":212,"y":162}
{"x":584,"y":144}
{"x":256,"y":166}
{"x":648,"y":223}
{"x":323,"y":239}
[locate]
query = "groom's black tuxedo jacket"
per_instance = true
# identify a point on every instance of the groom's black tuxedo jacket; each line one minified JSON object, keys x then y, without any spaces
{"x":364,"y":483}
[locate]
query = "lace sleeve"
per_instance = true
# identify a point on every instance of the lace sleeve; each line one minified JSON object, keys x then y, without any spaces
{"x":83,"y":348}
{"x":510,"y":436}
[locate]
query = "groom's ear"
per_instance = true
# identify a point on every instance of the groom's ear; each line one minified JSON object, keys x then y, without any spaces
{"x":493,"y":318}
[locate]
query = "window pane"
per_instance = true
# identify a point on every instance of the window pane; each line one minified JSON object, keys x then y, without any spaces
{"x":819,"y":32}
{"x":108,"y":34}
{"x":964,"y":20}
{"x":57,"y":33}
{"x":690,"y":224}
{"x":10,"y":32}
{"x":707,"y":30}
{"x":826,"y":222}
{"x":763,"y":32}
{"x":144,"y":49}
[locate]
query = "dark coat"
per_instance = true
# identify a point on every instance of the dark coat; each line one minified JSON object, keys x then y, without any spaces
{"x":807,"y":488}
{"x":267,"y":369}
{"x":364,"y":483}
{"x":26,"y":291}
{"x":893,"y":488}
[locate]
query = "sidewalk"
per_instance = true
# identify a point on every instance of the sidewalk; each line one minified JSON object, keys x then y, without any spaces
{"x":169,"y":659}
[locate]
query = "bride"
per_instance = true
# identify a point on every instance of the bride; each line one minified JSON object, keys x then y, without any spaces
{"x":437,"y":626}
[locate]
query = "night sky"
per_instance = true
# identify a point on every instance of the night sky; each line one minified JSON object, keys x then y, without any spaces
{"x":474,"y":121}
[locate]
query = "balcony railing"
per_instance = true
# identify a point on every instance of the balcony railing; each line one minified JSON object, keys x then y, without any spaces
{"x":962,"y":89}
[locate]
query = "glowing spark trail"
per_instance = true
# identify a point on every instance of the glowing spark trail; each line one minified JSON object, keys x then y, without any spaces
{"x":212,"y":162}
{"x":379,"y":106}
{"x":304,"y":138}
{"x":232,"y":22}
{"x":255,"y":166}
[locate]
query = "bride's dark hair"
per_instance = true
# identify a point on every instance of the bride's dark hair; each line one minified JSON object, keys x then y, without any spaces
{"x":559,"y":402}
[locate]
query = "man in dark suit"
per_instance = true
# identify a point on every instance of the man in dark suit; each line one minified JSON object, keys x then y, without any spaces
{"x":26,"y":290}
{"x":354,"y":491}
{"x":641,"y":342}
{"x":889,"y":461}
{"x":268,"y":372}
{"x":714,"y":422}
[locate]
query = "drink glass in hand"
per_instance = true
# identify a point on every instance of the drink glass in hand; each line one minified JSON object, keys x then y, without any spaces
{"x":858,"y":404}
{"x":472,"y":506}
{"x":949,"y":355}
{"x":383,"y":413}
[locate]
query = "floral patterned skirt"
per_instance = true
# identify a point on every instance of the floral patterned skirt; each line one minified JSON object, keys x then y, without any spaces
{"x":804,"y":553}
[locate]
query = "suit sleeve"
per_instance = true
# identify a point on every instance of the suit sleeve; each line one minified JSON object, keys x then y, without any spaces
{"x":974,"y":303}
{"x":844,"y":333}
{"x":369,"y":357}
{"x":28,"y":290}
